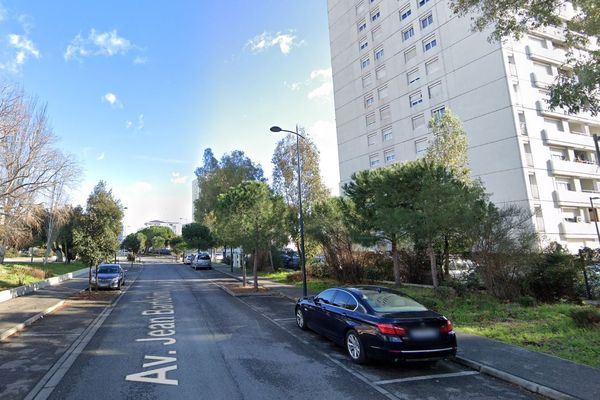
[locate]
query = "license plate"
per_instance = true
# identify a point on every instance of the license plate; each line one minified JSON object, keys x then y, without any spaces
{"x":424,"y":334}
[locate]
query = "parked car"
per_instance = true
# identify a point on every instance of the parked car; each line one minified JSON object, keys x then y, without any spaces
{"x":110,"y":276}
{"x":290,"y":259}
{"x":219,"y":256}
{"x":373,"y":322}
{"x":188,"y":259}
{"x":202,"y":260}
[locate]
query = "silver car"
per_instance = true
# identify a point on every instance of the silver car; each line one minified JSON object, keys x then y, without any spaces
{"x":202,"y":260}
{"x":109,"y":276}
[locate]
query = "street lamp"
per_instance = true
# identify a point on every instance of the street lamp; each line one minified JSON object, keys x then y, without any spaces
{"x":301,"y":215}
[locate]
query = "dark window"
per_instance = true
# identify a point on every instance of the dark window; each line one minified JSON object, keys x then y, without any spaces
{"x":344,"y":300}
{"x":326,"y":296}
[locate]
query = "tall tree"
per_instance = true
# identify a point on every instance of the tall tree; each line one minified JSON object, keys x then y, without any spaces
{"x":197,"y":236}
{"x":257,"y":214}
{"x":151,"y":232}
{"x":95,"y":237}
{"x":214,"y":179}
{"x":577,"y":87}
{"x":132,"y":243}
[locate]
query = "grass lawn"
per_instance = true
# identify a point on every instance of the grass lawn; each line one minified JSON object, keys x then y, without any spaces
{"x":17,"y":274}
{"x":545,"y":327}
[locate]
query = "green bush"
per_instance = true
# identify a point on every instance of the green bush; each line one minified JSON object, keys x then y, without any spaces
{"x":377,"y":267}
{"x":318,"y":270}
{"x":526,"y":301}
{"x":294,"y":277}
{"x":130,"y":257}
{"x":554,"y":276}
{"x":11,"y":253}
{"x":586,"y":317}
{"x":445,"y":293}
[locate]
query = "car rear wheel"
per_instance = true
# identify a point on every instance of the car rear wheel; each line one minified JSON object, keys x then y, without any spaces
{"x":300,"y":320}
{"x":355,"y":348}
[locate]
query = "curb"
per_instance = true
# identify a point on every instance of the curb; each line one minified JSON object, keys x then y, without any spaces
{"x":23,"y":325}
{"x":515,"y":380}
{"x":250,"y":294}
{"x":275,"y":292}
{"x":19,"y":291}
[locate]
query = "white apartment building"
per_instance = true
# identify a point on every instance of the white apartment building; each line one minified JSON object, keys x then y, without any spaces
{"x":398,"y":63}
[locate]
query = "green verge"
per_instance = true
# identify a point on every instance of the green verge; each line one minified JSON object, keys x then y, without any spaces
{"x":13,"y":275}
{"x":547,"y":328}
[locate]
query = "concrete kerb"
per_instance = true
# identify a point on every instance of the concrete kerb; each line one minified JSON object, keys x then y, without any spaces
{"x":293,"y":299}
{"x":26,"y":289}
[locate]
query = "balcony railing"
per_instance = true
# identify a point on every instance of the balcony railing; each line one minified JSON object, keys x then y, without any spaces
{"x":581,"y":230}
{"x":570,"y":168}
{"x":553,"y":56}
{"x":565,"y":139}
{"x":573,"y":198}
{"x":542,"y":80}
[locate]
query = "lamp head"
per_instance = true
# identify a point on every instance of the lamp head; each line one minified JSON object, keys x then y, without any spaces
{"x":275,"y":129}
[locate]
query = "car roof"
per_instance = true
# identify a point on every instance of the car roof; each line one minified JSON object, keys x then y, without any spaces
{"x":109,"y":265}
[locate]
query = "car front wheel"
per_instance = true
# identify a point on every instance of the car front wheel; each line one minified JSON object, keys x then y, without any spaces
{"x":355,"y":348}
{"x":300,"y":321}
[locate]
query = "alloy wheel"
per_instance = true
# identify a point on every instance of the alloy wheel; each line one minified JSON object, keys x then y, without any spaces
{"x":353,"y":346}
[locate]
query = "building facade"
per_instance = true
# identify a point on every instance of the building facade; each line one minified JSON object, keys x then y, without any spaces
{"x":396,"y":64}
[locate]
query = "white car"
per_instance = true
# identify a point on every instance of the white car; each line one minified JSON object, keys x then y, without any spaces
{"x":202,"y":260}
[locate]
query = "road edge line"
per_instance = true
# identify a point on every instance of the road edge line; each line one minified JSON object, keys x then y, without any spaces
{"x":515,"y":380}
{"x":55,"y":374}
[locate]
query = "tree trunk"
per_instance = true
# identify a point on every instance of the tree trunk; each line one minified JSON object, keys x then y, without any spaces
{"x":255,"y":270}
{"x":271,"y":259}
{"x":446,"y":257}
{"x":396,"y":261}
{"x":59,"y":255}
{"x":434,"y":275}
{"x":90,"y":279}
{"x":243,"y":269}
{"x":2,"y":252}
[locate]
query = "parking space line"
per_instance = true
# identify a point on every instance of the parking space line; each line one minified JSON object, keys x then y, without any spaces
{"x":284,"y":319}
{"x":426,"y":377}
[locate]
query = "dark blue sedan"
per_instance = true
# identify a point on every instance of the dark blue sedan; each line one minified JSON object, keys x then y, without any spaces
{"x":373,"y":322}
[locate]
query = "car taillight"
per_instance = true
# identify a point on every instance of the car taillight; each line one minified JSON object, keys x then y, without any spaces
{"x":447,"y":327}
{"x":389,"y":329}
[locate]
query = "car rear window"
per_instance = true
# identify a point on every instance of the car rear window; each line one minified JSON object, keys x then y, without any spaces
{"x":205,"y":257}
{"x":108,"y":270}
{"x":383,"y":301}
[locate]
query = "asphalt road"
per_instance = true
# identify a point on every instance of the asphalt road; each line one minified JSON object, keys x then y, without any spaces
{"x":175,"y":335}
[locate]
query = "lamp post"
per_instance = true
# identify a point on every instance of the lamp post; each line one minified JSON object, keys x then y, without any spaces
{"x":300,"y":215}
{"x":595,"y":215}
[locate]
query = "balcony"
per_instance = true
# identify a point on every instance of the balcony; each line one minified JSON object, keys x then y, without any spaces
{"x":541,"y":80}
{"x":572,"y":198}
{"x":553,"y":33}
{"x":570,"y":168}
{"x":583,"y":117}
{"x":552,"y":56}
{"x":568,"y":139}
{"x":578,"y":230}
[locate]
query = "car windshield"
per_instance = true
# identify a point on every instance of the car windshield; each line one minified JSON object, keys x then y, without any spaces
{"x":383,"y":301}
{"x":108,"y":270}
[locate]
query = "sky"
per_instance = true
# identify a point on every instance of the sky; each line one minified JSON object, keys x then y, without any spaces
{"x":136,"y":90}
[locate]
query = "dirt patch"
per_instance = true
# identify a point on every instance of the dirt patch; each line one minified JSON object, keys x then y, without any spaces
{"x":100,"y":295}
{"x":237,"y":288}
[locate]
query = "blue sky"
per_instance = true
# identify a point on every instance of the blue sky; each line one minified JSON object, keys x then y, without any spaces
{"x":137,"y":89}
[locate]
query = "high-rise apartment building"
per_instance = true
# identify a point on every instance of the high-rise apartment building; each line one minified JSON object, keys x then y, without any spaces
{"x":398,"y":63}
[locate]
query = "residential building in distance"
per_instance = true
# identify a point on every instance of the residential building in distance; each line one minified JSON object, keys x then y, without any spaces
{"x":398,"y":63}
{"x":174,"y":226}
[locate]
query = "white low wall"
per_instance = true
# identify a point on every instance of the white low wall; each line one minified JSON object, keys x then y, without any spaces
{"x":32,"y":287}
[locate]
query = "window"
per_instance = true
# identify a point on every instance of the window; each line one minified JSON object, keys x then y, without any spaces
{"x":435,"y":90}
{"x":540,"y":42}
{"x":564,"y":184}
{"x":344,"y":300}
{"x":367,"y":80}
{"x":389,"y":156}
{"x":522,"y":123}
{"x":554,"y":124}
{"x":405,"y":13}
{"x":327,"y":296}
{"x":374,"y":160}
{"x":576,"y":128}
{"x":360,"y":8}
{"x":421,"y":3}
{"x":370,"y":119}
{"x":382,"y":92}
{"x":413,"y":76}
{"x":365,"y":62}
{"x":362,"y":25}
{"x":379,"y":54}
{"x":438,"y":113}
{"x":418,"y":121}
{"x":571,"y":214}
{"x":429,"y":43}
{"x":385,"y":113}
{"x":416,"y":98}
{"x":376,"y":33}
{"x":535,"y":193}
{"x":558,"y":154}
{"x":407,"y":34}
{"x":387,"y":134}
{"x":539,"y":219}
{"x":512,"y":65}
{"x":410,"y":54}
{"x":542,"y":68}
{"x":369,"y":100}
{"x":421,"y":146}
{"x":363,"y":44}
{"x":425,"y":22}
{"x":380,"y":73}
{"x":375,"y":15}
{"x":432,"y":66}
{"x":371,"y":139}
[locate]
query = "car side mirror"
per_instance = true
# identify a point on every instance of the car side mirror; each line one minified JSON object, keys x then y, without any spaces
{"x":316,"y":300}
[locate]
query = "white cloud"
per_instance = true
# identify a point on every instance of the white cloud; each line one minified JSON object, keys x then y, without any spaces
{"x":140,"y":60}
{"x":285,"y":41}
{"x":128,"y":124}
{"x":294,"y":86}
{"x":21,"y":48}
{"x":97,"y":44}
{"x":140,"y":187}
{"x":100,"y":157}
{"x":137,"y":126}
{"x":112,"y":99}
{"x":178,"y":179}
{"x":319,"y":85}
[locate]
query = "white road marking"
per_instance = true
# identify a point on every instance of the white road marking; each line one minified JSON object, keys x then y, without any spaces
{"x":284,"y":319}
{"x":426,"y":377}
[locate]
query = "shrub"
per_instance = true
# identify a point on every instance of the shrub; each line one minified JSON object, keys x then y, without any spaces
{"x":526,"y":301}
{"x":377,"y":267}
{"x":586,"y":317}
{"x":318,"y":270}
{"x":445,"y":293}
{"x":554,"y":276}
{"x":11,"y":253}
{"x":294,"y":277}
{"x":130,"y":257}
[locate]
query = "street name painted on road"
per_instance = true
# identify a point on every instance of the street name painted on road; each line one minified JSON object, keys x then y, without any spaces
{"x":161,"y":325}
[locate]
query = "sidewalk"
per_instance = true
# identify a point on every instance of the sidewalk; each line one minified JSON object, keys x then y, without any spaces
{"x":541,"y":373}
